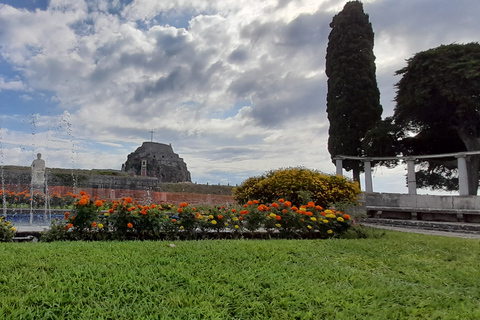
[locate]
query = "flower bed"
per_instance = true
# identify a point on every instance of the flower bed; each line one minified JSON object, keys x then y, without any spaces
{"x":96,"y":219}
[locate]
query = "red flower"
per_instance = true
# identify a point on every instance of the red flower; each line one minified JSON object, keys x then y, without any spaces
{"x":220,"y":217}
{"x":130,"y":225}
{"x":94,"y":224}
{"x":234,"y":210}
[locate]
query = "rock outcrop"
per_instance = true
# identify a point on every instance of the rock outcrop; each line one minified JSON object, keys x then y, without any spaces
{"x":157,"y":160}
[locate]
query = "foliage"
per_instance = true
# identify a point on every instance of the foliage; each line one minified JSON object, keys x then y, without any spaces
{"x":436,"y":112}
{"x":292,"y":183}
{"x":399,"y":276}
{"x":7,"y":230}
{"x":353,"y":99}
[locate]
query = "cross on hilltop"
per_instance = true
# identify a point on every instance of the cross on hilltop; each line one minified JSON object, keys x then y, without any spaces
{"x":151,"y":135}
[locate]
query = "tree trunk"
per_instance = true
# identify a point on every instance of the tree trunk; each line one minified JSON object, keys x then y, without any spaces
{"x":473,"y":167}
{"x":356,"y":175}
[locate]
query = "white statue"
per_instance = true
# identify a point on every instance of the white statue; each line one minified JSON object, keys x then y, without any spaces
{"x":38,"y":170}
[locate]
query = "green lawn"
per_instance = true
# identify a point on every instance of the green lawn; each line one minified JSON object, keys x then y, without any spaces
{"x":399,"y":276}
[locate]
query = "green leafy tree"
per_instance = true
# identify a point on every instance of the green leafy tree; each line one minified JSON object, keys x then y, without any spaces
{"x":353,"y":99}
{"x":438,"y":109}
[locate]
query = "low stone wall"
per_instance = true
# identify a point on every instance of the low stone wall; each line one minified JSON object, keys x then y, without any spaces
{"x":142,"y":196}
{"x":422,"y":207}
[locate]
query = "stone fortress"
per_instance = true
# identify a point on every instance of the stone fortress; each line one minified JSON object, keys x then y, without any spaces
{"x":157,"y":160}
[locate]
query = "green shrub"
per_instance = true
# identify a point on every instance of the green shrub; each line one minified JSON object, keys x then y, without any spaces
{"x":297,"y":185}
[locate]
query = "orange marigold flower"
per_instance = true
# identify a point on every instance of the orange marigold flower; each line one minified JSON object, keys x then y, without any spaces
{"x":281,"y":200}
{"x":249,"y":203}
{"x":287,"y":204}
{"x":82,"y":202}
{"x":130,"y":225}
{"x":66,"y":215}
{"x":240,"y":218}
{"x":83,"y":193}
{"x":94,"y":224}
{"x":70,"y":225}
{"x":318,"y":208}
{"x":194,"y":209}
{"x":262,"y":207}
{"x":274,"y":205}
{"x":183,"y":205}
{"x":256,"y":201}
{"x":99,"y":203}
{"x":220,"y":217}
{"x":309,"y":214}
{"x":278,"y":217}
{"x":179,"y":210}
{"x":110,"y":211}
{"x":346,"y":216}
{"x":131,"y":209}
{"x":311,"y":204}
{"x":294,"y":208}
{"x":153,"y":206}
{"x":174,"y":220}
{"x":234,"y":210}
{"x":128,"y":200}
{"x":323,"y":214}
{"x":284,"y":211}
{"x":144,"y":212}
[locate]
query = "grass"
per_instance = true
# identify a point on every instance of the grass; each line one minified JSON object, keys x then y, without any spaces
{"x":399,"y":276}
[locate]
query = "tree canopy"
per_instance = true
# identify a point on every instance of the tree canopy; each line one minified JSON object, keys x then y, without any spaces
{"x":437,"y":111}
{"x":353,"y":98}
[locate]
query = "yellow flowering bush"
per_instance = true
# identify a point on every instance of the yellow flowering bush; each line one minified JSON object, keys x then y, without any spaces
{"x":297,"y":185}
{"x":7,"y":230}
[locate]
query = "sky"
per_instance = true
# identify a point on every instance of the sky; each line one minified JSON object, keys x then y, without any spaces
{"x":238,"y":87}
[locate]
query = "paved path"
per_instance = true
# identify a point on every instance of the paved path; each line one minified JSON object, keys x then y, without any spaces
{"x":429,"y":232}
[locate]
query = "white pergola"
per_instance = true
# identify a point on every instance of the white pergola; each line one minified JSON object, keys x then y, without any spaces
{"x":410,"y":160}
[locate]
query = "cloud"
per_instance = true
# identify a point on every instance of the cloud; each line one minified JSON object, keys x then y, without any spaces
{"x":16,"y":85}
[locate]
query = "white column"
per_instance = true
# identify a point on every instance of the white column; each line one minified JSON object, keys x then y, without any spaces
{"x":411,"y":179}
{"x":462,"y":175}
{"x":339,"y":165}
{"x":368,"y":175}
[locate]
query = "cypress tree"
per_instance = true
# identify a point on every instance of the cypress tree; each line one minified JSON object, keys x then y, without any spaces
{"x":353,"y":98}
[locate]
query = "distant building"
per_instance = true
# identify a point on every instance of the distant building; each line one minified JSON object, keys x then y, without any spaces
{"x":157,"y":160}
